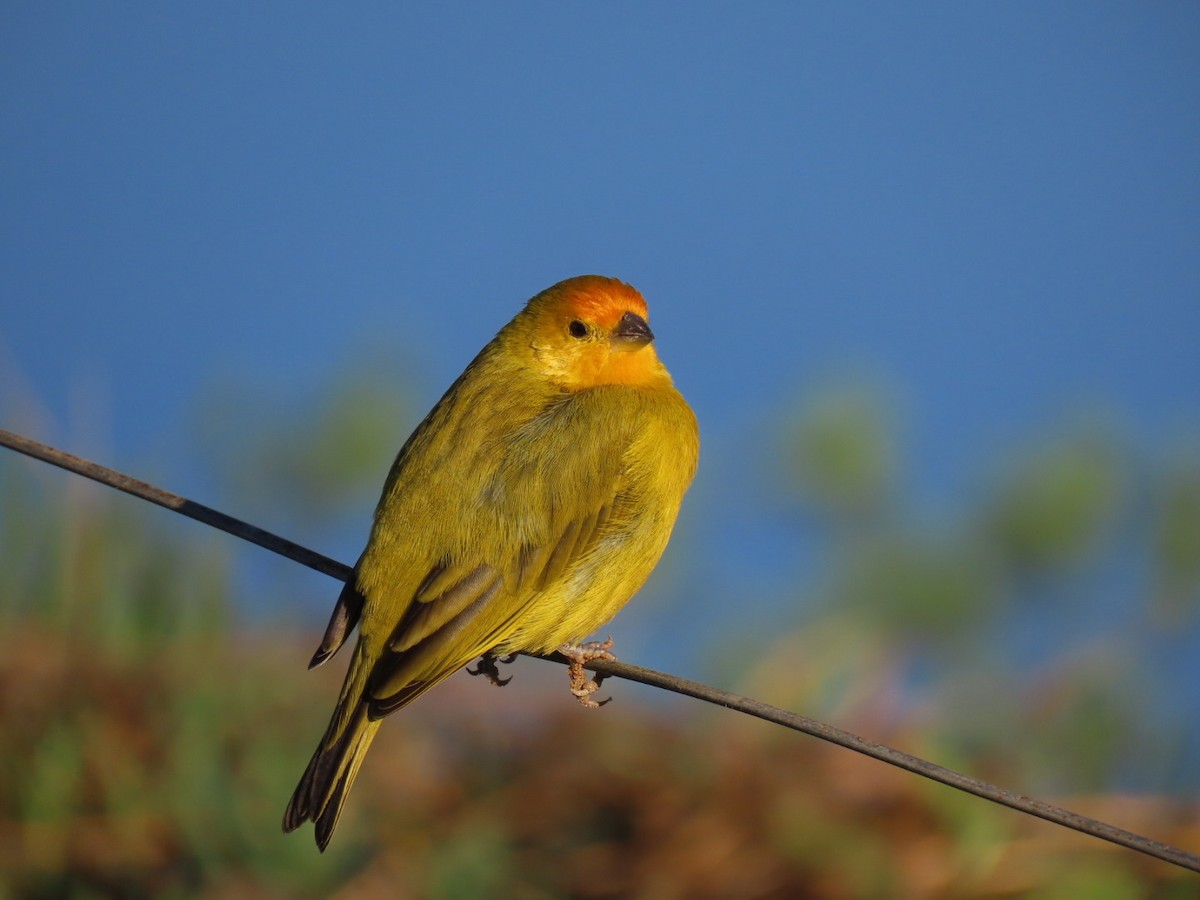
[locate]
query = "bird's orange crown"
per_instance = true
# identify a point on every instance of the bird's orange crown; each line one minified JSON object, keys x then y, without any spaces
{"x":598,"y":299}
{"x":583,"y":336}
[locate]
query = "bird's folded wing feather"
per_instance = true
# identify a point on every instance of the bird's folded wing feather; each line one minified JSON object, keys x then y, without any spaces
{"x":571,"y":494}
{"x":464,"y":611}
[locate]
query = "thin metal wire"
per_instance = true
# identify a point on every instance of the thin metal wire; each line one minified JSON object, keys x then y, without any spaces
{"x":182,"y":505}
{"x":746,"y":705}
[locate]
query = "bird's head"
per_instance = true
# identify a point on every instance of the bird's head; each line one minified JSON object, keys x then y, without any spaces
{"x":590,"y":331}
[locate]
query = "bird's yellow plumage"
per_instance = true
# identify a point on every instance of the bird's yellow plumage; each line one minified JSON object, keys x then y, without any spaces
{"x":521,"y":515}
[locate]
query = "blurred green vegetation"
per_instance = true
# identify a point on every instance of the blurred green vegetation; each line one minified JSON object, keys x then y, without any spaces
{"x":328,"y":446}
{"x":1033,"y":617}
{"x":152,"y":735}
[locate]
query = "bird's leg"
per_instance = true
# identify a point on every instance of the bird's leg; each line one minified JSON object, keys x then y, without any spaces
{"x":581,"y":685}
{"x":487,"y":667}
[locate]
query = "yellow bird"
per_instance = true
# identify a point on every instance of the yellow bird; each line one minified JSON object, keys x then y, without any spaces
{"x":521,"y":515}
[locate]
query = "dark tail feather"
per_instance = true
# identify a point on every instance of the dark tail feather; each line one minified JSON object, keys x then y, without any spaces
{"x":326,"y":782}
{"x":346,"y":613}
{"x":328,"y":819}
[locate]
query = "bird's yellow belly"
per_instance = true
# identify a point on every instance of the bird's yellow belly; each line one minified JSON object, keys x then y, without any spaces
{"x":589,"y":595}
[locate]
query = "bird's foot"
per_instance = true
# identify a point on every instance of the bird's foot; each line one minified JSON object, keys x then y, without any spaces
{"x":583,"y":686}
{"x":487,"y":668}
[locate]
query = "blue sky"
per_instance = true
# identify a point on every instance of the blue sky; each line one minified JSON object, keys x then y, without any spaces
{"x":991,"y":207}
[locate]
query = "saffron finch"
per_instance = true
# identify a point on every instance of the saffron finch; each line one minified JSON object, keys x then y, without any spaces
{"x":521,"y":515}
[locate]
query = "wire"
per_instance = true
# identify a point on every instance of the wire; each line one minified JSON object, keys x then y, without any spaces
{"x":746,"y":705}
{"x":181,"y":505}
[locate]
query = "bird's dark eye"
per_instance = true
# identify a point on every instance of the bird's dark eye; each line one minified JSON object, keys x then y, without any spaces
{"x":577,"y":329}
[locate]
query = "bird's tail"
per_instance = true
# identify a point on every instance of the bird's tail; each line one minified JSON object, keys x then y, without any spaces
{"x":326,"y":782}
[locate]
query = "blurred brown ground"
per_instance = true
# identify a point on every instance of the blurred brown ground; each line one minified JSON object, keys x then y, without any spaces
{"x":166,"y":774}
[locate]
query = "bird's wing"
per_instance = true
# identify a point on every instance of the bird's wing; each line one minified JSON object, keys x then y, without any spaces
{"x":465,"y":611}
{"x":572,"y":493}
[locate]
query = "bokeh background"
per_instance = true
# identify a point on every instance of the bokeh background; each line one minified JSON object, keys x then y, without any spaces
{"x":928,"y":276}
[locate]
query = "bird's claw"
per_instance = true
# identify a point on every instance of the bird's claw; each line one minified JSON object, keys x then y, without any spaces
{"x":487,"y":668}
{"x":583,"y":686}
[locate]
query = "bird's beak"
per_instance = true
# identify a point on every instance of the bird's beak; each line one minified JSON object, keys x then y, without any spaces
{"x":632,"y":332}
